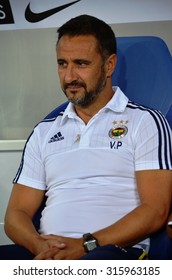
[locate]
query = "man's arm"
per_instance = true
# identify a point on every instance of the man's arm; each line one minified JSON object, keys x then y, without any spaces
{"x":154,"y":188}
{"x":23,"y":204}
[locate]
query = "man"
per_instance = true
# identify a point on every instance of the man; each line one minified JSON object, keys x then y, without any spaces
{"x":103,"y":163}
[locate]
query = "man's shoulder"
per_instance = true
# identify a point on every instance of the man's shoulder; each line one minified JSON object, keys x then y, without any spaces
{"x":47,"y":124}
{"x":143,"y":116}
{"x":140,"y":109}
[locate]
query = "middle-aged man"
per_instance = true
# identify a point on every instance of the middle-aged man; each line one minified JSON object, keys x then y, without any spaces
{"x":104,"y":163}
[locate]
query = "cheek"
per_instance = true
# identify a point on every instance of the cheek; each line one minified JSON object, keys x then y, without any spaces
{"x":93,"y":74}
{"x":61,"y":77}
{"x":95,"y":77}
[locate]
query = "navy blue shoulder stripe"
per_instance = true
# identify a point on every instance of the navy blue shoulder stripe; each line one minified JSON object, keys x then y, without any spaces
{"x":51,"y":119}
{"x":165,"y":141}
{"x":23,"y":154}
{"x":22,"y":161}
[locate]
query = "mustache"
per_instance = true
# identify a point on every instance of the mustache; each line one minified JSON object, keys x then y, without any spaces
{"x":74,"y":83}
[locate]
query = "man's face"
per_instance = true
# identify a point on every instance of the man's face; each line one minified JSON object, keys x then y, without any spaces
{"x":80,"y":68}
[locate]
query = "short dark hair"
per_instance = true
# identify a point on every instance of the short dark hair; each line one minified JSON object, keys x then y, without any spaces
{"x":89,"y":25}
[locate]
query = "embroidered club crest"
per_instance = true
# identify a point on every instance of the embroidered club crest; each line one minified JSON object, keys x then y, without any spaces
{"x":119,"y":130}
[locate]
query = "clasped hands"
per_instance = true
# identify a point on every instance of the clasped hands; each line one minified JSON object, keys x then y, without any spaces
{"x":54,"y":247}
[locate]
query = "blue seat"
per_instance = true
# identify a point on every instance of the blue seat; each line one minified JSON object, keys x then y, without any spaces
{"x":169,"y":116}
{"x":144,"y":73}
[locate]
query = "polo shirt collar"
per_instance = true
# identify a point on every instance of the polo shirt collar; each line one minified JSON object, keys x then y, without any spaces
{"x":117,"y":104}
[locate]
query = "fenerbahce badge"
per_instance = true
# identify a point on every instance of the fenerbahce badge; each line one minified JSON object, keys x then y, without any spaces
{"x":119,"y":130}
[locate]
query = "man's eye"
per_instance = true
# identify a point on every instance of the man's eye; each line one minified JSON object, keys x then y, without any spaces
{"x":62,"y":64}
{"x":82,"y":63}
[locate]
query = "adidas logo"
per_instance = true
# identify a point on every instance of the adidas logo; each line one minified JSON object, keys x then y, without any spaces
{"x":56,"y":137}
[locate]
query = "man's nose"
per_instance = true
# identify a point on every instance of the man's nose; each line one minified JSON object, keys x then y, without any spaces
{"x":70,"y":74}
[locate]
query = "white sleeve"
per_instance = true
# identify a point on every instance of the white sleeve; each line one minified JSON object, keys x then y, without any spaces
{"x":31,"y":171}
{"x":153,"y":146}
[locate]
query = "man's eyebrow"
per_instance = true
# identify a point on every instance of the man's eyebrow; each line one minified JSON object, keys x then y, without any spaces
{"x":77,"y":61}
{"x":81,"y":60}
{"x":61,"y":60}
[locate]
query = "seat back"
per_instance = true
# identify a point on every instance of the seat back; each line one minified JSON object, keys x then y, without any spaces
{"x":144,"y":71}
{"x":169,"y":116}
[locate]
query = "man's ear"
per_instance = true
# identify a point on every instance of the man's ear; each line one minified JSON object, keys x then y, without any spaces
{"x":110,"y":65}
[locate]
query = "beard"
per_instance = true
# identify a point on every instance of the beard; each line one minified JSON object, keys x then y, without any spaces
{"x":88,"y":96}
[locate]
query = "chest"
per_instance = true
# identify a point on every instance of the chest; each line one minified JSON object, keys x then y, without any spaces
{"x":102,"y":148}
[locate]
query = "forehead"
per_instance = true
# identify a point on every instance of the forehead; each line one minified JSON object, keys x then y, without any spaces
{"x":77,"y":45}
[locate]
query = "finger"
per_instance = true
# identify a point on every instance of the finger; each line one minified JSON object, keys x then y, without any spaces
{"x":49,"y":236}
{"x":55,"y":241}
{"x":60,"y":256}
{"x":49,"y":254}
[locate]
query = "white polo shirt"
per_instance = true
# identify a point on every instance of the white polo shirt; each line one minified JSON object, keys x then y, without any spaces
{"x":88,"y":171}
